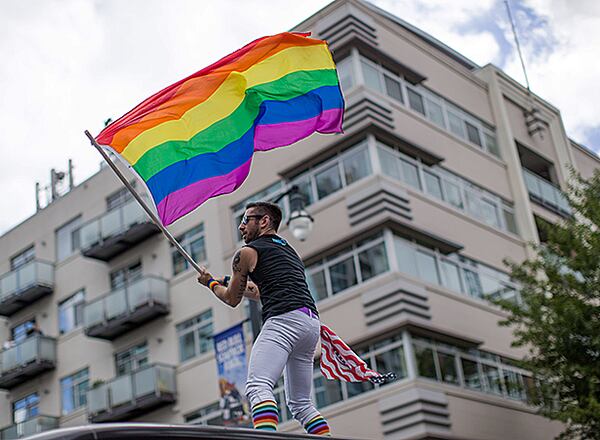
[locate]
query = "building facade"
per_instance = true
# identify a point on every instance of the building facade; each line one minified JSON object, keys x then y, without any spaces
{"x":445,"y":169}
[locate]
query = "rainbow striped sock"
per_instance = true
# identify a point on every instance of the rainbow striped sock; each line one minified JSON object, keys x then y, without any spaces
{"x":265,"y":415}
{"x":317,"y":426}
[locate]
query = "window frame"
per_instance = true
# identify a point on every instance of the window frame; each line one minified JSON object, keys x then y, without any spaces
{"x":76,"y":382}
{"x":71,"y":303}
{"x":186,"y":240}
{"x":197,"y":323}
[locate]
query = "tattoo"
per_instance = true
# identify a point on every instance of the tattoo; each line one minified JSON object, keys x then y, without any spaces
{"x":242,"y":289}
{"x":235,"y":265}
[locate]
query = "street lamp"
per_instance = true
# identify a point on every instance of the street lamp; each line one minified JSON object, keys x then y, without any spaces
{"x":300,"y":222}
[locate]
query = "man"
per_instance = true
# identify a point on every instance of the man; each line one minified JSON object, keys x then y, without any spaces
{"x":291,"y":324}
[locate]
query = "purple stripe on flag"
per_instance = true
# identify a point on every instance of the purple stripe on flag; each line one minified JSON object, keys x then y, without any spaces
{"x":267,"y":137}
{"x":181,"y":202}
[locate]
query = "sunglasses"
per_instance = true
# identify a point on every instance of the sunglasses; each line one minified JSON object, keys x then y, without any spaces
{"x":246,"y":218}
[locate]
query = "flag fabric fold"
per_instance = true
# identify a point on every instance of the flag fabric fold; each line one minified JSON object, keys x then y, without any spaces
{"x":339,"y":362}
{"x":196,"y":138}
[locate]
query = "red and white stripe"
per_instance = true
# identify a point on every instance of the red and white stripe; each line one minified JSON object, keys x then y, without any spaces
{"x":338,"y":362}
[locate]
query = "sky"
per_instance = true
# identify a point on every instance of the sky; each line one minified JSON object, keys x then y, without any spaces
{"x":69,"y":65}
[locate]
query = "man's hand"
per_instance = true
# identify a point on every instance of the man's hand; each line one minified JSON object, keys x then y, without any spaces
{"x":204,"y":276}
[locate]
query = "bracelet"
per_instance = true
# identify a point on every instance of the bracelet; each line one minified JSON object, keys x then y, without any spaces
{"x":212,"y":283}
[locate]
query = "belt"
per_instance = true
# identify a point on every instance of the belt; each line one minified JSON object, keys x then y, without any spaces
{"x":308,"y":312}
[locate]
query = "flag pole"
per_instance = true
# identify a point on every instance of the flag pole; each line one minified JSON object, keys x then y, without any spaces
{"x":146,"y":208}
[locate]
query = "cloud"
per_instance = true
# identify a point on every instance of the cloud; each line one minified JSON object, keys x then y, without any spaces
{"x":560,"y":46}
{"x":70,"y":64}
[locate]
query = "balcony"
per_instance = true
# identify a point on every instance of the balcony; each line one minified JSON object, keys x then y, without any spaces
{"x":26,"y":360}
{"x":29,"y":427}
{"x":25,"y":285}
{"x":131,"y":395}
{"x":116,"y":231}
{"x":126,"y":308}
{"x":546,"y":194}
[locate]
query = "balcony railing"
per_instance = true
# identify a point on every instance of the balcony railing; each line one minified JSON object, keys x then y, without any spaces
{"x":115,"y":231}
{"x":126,"y":308}
{"x":545,"y":193}
{"x":133,"y":394}
{"x":27,"y":359}
{"x":23,"y":286}
{"x":29,"y":427}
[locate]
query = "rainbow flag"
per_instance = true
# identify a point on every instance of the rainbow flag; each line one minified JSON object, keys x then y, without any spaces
{"x":195,"y":139}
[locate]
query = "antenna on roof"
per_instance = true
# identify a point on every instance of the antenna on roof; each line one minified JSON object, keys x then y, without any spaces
{"x":532,"y":114}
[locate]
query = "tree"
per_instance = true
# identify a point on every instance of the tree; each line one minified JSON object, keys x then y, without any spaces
{"x":558,"y":319}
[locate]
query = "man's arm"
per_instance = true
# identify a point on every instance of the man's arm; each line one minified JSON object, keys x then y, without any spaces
{"x":243,"y":263}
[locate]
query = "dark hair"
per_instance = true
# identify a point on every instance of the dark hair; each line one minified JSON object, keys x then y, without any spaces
{"x":270,"y":209}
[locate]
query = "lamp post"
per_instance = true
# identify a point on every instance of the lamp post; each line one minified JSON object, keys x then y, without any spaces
{"x":300,"y":224}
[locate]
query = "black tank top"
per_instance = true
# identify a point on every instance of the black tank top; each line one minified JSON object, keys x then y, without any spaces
{"x":279,"y":275}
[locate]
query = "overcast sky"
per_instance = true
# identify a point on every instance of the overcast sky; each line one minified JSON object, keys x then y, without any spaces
{"x":68,"y":65}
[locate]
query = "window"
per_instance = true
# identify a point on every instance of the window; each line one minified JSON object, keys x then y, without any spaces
{"x":455,"y":272}
{"x":67,"y":239}
{"x":26,"y":408}
{"x":328,"y":181}
{"x":344,"y":69}
{"x":448,"y":187}
{"x":22,"y":259}
{"x":357,"y":263}
{"x":74,"y":391}
{"x":118,"y":199}
{"x":195,"y":336}
{"x":70,"y":312}
{"x":415,"y":100}
{"x":371,"y":76}
{"x":22,"y":330}
{"x":473,"y":134}
{"x":334,"y":174}
{"x":131,"y":359}
{"x":435,"y":112}
{"x":481,"y":371}
{"x":209,"y":415}
{"x":125,"y":276}
{"x":423,"y":101}
{"x":393,"y":88}
{"x":193,"y":242}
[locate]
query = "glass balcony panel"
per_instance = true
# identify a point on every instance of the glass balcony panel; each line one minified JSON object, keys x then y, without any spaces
{"x":116,"y":303}
{"x":28,"y":350}
{"x":549,"y":193}
{"x":10,"y":359}
{"x":143,"y":381}
{"x":159,"y":289}
{"x":25,"y":276}
{"x":44,"y":272}
{"x":132,"y":214}
{"x":93,"y":313}
{"x":165,"y":377}
{"x":138,"y":293}
{"x":97,"y":399}
{"x":47,"y":349}
{"x":121,"y":390}
{"x":8,"y":284}
{"x":111,"y":223}
{"x":90,"y":234}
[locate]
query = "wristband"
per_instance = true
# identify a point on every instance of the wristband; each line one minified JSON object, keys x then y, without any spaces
{"x":212,"y":283}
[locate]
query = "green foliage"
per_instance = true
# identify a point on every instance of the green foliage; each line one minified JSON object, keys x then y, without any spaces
{"x":559,"y":317}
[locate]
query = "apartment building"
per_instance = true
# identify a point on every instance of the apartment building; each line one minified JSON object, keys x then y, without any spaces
{"x":445,"y":169}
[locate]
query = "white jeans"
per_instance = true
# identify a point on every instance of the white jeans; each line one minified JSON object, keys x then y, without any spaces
{"x":285,"y":341}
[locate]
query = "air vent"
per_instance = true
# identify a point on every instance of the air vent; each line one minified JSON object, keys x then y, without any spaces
{"x":366,"y":109}
{"x":396,"y":301}
{"x":415,"y":413}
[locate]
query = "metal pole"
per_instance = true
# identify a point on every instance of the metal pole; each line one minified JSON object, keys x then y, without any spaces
{"x":137,"y":197}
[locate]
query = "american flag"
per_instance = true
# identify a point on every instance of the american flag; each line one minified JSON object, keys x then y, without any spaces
{"x":339,"y":362}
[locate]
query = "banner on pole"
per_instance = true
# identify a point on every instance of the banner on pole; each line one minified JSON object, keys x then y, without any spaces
{"x":232,"y":370}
